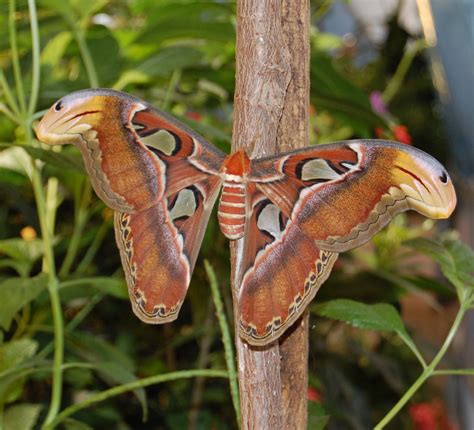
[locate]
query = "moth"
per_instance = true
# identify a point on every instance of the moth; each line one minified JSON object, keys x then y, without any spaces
{"x":294,"y":212}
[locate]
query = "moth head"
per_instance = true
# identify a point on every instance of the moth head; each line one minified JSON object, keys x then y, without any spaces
{"x":237,"y":163}
{"x":73,"y":116}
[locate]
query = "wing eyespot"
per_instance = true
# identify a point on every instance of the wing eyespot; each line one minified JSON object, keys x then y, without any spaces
{"x":444,"y":178}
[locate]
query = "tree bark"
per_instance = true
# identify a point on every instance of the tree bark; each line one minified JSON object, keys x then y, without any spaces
{"x":293,"y":132}
{"x":271,"y":114}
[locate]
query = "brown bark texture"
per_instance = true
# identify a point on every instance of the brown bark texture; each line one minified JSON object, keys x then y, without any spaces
{"x":293,"y":132}
{"x":271,"y":115}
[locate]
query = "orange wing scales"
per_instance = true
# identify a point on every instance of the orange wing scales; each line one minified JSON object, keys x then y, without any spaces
{"x":157,"y":277}
{"x":281,"y":271}
{"x":295,"y":211}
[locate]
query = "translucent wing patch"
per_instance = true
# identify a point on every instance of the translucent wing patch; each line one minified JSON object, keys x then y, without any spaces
{"x":159,"y":247}
{"x":341,"y":194}
{"x":281,"y":271}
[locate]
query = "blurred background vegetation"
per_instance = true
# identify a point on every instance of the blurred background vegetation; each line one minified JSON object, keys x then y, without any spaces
{"x":179,"y":56}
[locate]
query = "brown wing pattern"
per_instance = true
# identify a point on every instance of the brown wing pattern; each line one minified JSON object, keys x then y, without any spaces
{"x":340,"y":195}
{"x":281,"y":271}
{"x":159,"y":247}
{"x":158,"y":175}
{"x":301,"y":208}
{"x":133,"y":153}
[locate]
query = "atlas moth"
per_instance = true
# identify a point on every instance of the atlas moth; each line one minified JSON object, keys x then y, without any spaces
{"x":294,"y":212}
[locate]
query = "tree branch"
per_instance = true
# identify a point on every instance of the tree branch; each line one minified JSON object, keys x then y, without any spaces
{"x":271,"y":114}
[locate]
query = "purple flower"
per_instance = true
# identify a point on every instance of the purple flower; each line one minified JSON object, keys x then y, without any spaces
{"x":378,"y":105}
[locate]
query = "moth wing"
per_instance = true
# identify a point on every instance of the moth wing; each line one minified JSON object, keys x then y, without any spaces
{"x":341,"y":194}
{"x":280,"y":271}
{"x":134,"y":154}
{"x":159,"y":246}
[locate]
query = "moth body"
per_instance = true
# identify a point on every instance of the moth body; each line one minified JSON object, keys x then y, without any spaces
{"x":232,"y":204}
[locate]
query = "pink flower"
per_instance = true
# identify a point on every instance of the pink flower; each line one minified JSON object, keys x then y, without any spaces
{"x":377,"y":103}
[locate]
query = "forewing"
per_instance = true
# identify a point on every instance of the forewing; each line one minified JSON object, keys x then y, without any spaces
{"x":159,"y":176}
{"x":280,"y":272}
{"x":186,"y":157}
{"x":159,"y":246}
{"x":341,"y":194}
{"x":134,"y":154}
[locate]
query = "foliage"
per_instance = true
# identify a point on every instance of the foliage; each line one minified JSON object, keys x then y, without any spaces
{"x":67,"y":337}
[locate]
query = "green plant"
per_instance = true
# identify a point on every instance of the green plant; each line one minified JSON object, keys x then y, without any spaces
{"x":68,"y":339}
{"x":457,"y":264}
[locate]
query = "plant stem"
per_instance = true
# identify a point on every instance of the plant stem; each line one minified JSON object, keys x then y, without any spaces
{"x":51,"y":203}
{"x":53,"y":295}
{"x":15,"y":57}
{"x":85,"y":54}
{"x":36,"y":66}
{"x":152,"y":380}
{"x":226,"y":339}
{"x":79,"y":224}
{"x":454,"y":372}
{"x":411,"y":345}
{"x":399,"y":76}
{"x":8,"y":113}
{"x":175,"y":78}
{"x":10,"y":99}
{"x":93,"y":248}
{"x":45,"y":212}
{"x":72,"y":324}
{"x":429,"y":371}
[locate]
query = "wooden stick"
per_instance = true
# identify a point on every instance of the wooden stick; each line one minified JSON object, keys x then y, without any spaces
{"x":293,"y":132}
{"x":271,"y":104}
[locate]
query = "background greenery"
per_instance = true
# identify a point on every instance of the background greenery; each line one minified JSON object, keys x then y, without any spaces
{"x":67,"y":333}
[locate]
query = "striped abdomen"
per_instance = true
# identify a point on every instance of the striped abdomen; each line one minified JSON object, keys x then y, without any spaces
{"x":231,"y":213}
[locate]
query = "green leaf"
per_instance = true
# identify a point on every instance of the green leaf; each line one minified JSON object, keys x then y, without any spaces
{"x":23,"y":250}
{"x":12,"y":354}
{"x":72,"y":424}
{"x":170,"y":59}
{"x":22,"y":416}
{"x":96,"y":350}
{"x":13,"y":158}
{"x":58,"y":159}
{"x":16,"y":293}
{"x":189,"y":20}
{"x":130,"y":77}
{"x":114,"y":366}
{"x":333,"y":92}
{"x":55,"y":48}
{"x":454,"y":257}
{"x":12,"y":178}
{"x":103,"y":44}
{"x":87,"y":8}
{"x":115,"y":287}
{"x":317,"y":416}
{"x":15,"y":352}
{"x":379,"y":317}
